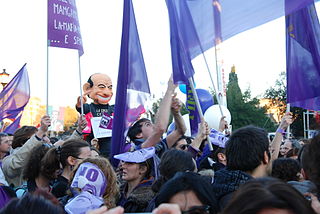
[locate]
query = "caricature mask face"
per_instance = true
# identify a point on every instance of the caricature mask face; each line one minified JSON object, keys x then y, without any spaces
{"x":101,"y":91}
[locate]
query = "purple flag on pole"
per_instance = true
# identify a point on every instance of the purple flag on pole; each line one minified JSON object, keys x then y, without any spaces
{"x":63,"y":25}
{"x":303,"y":59}
{"x":194,"y":117}
{"x":14,"y":97}
{"x":132,"y":87}
{"x":197,"y":25}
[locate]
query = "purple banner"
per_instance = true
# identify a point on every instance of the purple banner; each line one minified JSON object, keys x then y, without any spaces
{"x":63,"y":25}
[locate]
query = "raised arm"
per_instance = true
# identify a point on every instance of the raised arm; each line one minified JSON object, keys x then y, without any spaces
{"x":162,"y":117}
{"x":180,"y":127}
{"x":276,"y":142}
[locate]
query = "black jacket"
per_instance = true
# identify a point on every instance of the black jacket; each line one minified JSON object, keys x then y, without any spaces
{"x":226,"y":182}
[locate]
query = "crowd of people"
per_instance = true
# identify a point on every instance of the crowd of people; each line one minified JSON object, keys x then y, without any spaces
{"x":245,"y":172}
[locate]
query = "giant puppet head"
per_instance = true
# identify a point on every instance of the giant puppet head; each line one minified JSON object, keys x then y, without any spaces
{"x":99,"y":88}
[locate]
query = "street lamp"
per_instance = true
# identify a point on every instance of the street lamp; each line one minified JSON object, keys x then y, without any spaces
{"x":4,"y":78}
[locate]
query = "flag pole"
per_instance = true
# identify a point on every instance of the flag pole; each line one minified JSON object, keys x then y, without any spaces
{"x":47,"y":75}
{"x":288,"y":128}
{"x":80,"y":82}
{"x":213,"y":85}
{"x":191,"y":83}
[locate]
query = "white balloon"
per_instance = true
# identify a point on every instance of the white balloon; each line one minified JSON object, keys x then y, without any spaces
{"x":187,"y":123}
{"x":212,"y":116}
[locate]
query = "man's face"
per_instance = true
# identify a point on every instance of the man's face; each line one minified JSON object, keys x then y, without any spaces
{"x":146,"y":129}
{"x":5,"y":144}
{"x":101,"y":91}
{"x":182,"y":145}
{"x":186,"y":200}
{"x":287,"y":146}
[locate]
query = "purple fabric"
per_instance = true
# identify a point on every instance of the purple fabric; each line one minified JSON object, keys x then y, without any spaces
{"x":196,"y":26}
{"x":63,"y":25}
{"x":132,"y":87}
{"x":83,"y":203}
{"x":194,"y":117}
{"x":4,"y":197}
{"x":303,"y":59}
{"x":14,"y":97}
{"x":90,"y":178}
{"x":137,"y":156}
{"x":218,"y":138}
{"x":182,"y":35}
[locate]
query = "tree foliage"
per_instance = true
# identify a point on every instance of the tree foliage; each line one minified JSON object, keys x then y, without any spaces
{"x":277,"y":95}
{"x":244,"y":109}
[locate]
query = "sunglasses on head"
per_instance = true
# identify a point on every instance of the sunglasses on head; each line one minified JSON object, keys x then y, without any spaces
{"x":184,"y":146}
{"x":197,"y":210}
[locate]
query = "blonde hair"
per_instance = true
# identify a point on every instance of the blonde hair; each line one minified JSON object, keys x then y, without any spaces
{"x":112,"y":191}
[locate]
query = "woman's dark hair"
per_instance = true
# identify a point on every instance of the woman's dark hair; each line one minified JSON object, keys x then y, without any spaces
{"x":188,"y":181}
{"x":59,"y":155}
{"x":34,"y":165}
{"x":286,"y":169}
{"x":31,"y":204}
{"x":173,"y":161}
{"x":310,"y":160}
{"x":23,"y":134}
{"x":136,"y":129}
{"x":149,"y":165}
{"x":259,"y":194}
{"x":188,"y":140}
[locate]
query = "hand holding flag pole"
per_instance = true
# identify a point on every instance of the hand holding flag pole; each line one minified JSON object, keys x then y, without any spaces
{"x":191,"y":83}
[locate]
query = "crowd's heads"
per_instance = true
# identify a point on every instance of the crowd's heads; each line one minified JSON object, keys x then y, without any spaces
{"x":30,"y":203}
{"x":137,"y":165}
{"x":111,"y":190}
{"x":173,"y":161}
{"x":5,"y":143}
{"x":69,"y":154}
{"x":286,"y":169}
{"x":23,"y":134}
{"x":36,"y":165}
{"x":310,"y":161}
{"x":190,"y":191}
{"x":182,"y":143}
{"x":99,"y":88}
{"x":265,"y":195}
{"x":139,"y":129}
{"x":247,"y":148}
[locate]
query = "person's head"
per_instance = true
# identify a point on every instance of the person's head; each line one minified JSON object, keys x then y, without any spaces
{"x":23,"y":134}
{"x":68,"y":155}
{"x":31,"y":203}
{"x":111,"y":190}
{"x":99,"y":88}
{"x":173,"y":161}
{"x":136,"y":165}
{"x":4,"y":143}
{"x":287,"y":146}
{"x":310,"y":161}
{"x":282,"y":150}
{"x":296,"y":146}
{"x":265,"y":195}
{"x":36,"y":165}
{"x":182,"y":143}
{"x":141,"y":129}
{"x":190,"y":191}
{"x":94,"y":152}
{"x":247,"y":149}
{"x":286,"y":169}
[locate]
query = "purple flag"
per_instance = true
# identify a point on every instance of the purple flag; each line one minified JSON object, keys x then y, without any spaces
{"x":303,"y":59}
{"x":197,"y":25}
{"x":14,"y":97}
{"x":194,"y":117}
{"x":63,"y":25}
{"x":132,"y":87}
